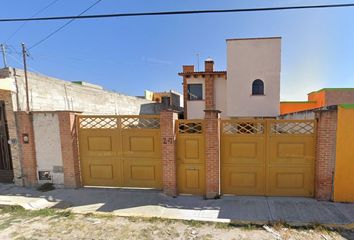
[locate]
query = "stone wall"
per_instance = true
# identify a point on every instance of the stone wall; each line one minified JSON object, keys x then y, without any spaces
{"x":52,"y":94}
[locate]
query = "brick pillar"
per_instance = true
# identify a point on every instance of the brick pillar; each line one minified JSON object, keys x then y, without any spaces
{"x":168,"y":152}
{"x":27,"y":148}
{"x":188,"y":69}
{"x":69,"y":149}
{"x":325,"y":153}
{"x":212,"y":153}
{"x":209,"y":92}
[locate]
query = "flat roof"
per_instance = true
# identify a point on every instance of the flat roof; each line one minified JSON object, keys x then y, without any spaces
{"x":332,"y":89}
{"x":298,"y":102}
{"x":256,"y":38}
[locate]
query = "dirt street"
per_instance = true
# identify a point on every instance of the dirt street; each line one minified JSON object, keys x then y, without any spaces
{"x":16,"y":223}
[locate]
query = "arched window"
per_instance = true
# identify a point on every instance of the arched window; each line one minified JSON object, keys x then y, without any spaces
{"x":257,"y":87}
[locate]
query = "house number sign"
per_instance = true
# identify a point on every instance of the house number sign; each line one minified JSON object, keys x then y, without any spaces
{"x":167,"y":140}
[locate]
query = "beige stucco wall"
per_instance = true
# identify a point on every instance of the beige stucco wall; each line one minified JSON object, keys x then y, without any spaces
{"x":247,"y":60}
{"x":48,"y":146}
{"x":195,"y":108}
{"x":220,"y":96}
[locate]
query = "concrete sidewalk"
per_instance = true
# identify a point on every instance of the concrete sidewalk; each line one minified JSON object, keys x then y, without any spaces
{"x":152,"y":203}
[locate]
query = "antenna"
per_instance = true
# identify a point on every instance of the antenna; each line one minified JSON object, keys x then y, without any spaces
{"x":197,"y":55}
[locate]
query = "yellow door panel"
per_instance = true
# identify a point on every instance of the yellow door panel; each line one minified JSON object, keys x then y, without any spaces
{"x":268,"y":157}
{"x":143,"y":173}
{"x":243,"y":180}
{"x":98,"y":171}
{"x":191,"y":179}
{"x":291,"y":181}
{"x":190,"y":157}
{"x":291,"y":150}
{"x":98,"y":143}
{"x":190,"y":149}
{"x":143,"y":143}
{"x":242,"y":150}
{"x":121,"y":151}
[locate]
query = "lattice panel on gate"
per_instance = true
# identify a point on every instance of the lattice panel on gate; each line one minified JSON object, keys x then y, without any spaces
{"x":98,"y":122}
{"x":140,"y":123}
{"x":243,"y":127}
{"x":190,"y":127}
{"x":303,"y":127}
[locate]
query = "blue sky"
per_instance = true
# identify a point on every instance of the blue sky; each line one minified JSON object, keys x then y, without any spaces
{"x":129,"y":55}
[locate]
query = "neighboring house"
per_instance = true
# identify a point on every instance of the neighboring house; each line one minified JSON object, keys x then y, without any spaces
{"x":50,"y":103}
{"x":52,"y":94}
{"x":250,"y":87}
{"x":318,"y":99}
{"x":170,"y":99}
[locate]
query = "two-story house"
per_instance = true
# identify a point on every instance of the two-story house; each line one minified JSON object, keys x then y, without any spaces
{"x":249,"y":88}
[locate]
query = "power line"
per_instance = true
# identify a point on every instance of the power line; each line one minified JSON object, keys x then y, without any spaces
{"x":63,"y":26}
{"x":116,"y":15}
{"x":35,"y":14}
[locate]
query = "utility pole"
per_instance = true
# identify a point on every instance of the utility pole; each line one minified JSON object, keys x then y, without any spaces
{"x":2,"y":46}
{"x":24,"y":55}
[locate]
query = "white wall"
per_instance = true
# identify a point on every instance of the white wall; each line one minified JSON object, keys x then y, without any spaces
{"x":47,"y":145}
{"x":220,"y":96}
{"x":195,"y":108}
{"x":50,"y":94}
{"x":247,"y":60}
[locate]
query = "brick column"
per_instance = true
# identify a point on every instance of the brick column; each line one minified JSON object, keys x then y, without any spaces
{"x":209,"y":92}
{"x":168,"y":152}
{"x":325,"y":153}
{"x":69,"y":149}
{"x":212,"y":153}
{"x":27,"y":148}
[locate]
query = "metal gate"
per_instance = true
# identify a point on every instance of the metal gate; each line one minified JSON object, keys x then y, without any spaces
{"x":6,"y":170}
{"x":268,"y":157}
{"x":122,"y":151}
{"x":190,"y":157}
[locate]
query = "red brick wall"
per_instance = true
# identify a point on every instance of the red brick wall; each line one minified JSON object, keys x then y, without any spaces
{"x":27,"y":150}
{"x":326,"y":153}
{"x":168,"y":152}
{"x":212,"y":154}
{"x":209,"y":92}
{"x":69,"y":149}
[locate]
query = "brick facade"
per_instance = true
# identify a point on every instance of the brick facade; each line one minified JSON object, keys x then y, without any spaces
{"x":325,"y":154}
{"x":168,"y":149}
{"x":212,"y":153}
{"x":25,"y":164}
{"x":69,"y":149}
{"x":27,"y":150}
{"x":6,"y":96}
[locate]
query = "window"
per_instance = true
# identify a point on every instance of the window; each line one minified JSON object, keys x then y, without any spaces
{"x":195,"y":91}
{"x":257,"y":87}
{"x":165,"y":101}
